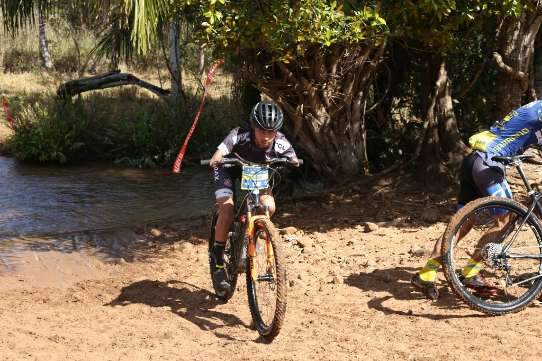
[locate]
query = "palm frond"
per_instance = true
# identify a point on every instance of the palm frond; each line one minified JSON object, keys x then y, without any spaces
{"x":147,"y":15}
{"x":18,"y":13}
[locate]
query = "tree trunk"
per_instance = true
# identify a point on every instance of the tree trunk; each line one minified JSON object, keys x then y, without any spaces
{"x":516,"y":48}
{"x":45,"y":55}
{"x":175,"y":59}
{"x":323,"y":95}
{"x":441,"y":147}
{"x":537,"y":65}
{"x":451,"y":144}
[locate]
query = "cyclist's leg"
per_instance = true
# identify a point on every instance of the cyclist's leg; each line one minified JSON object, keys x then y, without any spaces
{"x":490,"y":181}
{"x":224,"y":206}
{"x":267,"y":199}
{"x":224,"y":183}
{"x":425,"y":279}
{"x":436,"y":254}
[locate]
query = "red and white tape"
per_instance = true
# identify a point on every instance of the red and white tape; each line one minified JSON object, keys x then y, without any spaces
{"x":209,"y":80}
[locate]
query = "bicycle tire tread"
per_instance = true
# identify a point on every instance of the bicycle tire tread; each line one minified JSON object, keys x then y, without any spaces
{"x":449,"y":273}
{"x":281,"y":298}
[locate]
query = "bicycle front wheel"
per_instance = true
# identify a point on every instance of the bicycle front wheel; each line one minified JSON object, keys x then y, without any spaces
{"x":266,"y":280}
{"x":492,"y":255}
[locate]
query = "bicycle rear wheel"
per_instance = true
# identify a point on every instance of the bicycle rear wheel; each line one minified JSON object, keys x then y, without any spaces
{"x":510,"y":256}
{"x":229,"y":263}
{"x":266,"y":280}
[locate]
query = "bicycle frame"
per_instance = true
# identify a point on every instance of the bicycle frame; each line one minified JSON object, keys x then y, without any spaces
{"x":535,"y":202}
{"x":535,"y":198}
{"x":247,"y":213}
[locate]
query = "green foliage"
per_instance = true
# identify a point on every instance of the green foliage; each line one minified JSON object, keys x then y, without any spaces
{"x":474,"y":101}
{"x":441,"y":24}
{"x":387,"y":146}
{"x":282,"y":27}
{"x":129,"y":130}
{"x":146,"y":18}
{"x":146,"y":133}
{"x":48,"y":133}
{"x":287,"y":29}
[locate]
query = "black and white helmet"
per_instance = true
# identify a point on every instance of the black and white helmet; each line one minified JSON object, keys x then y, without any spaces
{"x":267,"y":116}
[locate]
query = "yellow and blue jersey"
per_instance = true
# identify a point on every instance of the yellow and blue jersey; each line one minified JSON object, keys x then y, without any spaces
{"x":513,"y":134}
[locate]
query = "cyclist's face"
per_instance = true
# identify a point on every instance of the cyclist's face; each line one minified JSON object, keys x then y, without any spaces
{"x":264,"y":138}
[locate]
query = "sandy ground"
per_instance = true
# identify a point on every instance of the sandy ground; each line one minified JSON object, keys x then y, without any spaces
{"x":349,"y":293}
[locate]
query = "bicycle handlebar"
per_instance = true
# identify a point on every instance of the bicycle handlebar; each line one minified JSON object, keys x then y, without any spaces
{"x":237,"y":161}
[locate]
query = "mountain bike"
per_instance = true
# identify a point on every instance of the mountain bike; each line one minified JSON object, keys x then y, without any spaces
{"x":505,"y":236}
{"x":253,"y":247}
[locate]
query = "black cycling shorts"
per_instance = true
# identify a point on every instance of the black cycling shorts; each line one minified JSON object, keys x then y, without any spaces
{"x":480,"y":179}
{"x":224,"y":178}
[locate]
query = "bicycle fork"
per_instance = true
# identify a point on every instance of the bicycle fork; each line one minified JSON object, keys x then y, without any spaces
{"x":251,"y":252}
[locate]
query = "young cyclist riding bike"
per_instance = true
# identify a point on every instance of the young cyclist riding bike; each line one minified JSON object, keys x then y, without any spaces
{"x":481,"y":176}
{"x":257,"y":144}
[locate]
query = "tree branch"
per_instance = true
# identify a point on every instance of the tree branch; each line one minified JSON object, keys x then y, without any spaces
{"x":517,"y":75}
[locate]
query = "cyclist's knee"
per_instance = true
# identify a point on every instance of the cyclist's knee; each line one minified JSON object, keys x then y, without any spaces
{"x":224,"y":207}
{"x":269,"y":201}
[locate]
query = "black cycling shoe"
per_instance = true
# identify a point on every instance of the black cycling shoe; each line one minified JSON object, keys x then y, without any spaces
{"x":429,"y":289}
{"x":479,"y":285}
{"x":221,"y":282}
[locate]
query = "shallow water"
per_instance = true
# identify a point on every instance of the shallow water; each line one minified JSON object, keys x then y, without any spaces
{"x":40,"y":201}
{"x":86,"y":211}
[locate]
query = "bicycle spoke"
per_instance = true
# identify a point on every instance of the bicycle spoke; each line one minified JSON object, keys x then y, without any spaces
{"x":266,"y":284}
{"x":495,"y":267}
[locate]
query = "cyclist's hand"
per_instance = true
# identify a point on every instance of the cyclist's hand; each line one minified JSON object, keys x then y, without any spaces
{"x":295,"y":162}
{"x":215,"y":159}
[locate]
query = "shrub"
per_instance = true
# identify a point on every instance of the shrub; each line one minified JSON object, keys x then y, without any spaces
{"x":20,"y":60}
{"x":48,"y":132}
{"x":138,"y":132}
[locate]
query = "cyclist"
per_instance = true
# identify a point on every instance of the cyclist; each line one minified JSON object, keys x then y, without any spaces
{"x":480,"y":176}
{"x":258,"y":143}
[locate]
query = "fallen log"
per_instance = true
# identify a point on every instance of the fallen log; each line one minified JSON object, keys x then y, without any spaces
{"x":103,"y":81}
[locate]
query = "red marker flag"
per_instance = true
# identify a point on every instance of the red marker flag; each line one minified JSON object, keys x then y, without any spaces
{"x":208,"y":81}
{"x":9,"y":117}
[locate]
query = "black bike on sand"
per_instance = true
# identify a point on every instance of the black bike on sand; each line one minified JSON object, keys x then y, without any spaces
{"x":253,"y":247}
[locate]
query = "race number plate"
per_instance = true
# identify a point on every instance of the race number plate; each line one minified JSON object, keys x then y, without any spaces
{"x":254,"y":177}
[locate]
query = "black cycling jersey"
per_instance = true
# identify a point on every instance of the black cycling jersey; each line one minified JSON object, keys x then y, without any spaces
{"x":239,"y":141}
